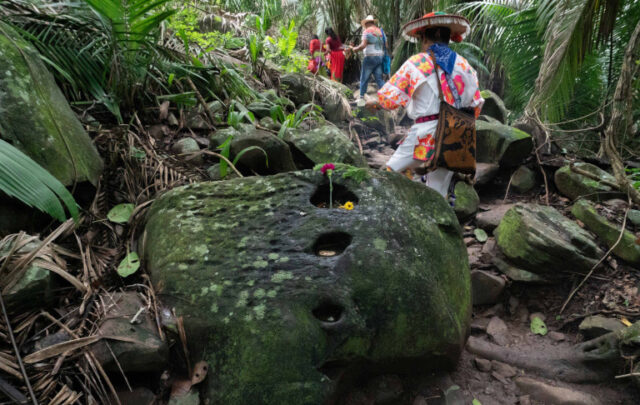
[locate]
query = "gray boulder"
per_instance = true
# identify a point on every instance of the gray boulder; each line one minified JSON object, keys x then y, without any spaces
{"x":574,"y":185}
{"x":296,"y":87}
{"x":523,"y":179}
{"x":485,"y":172}
{"x":325,"y":144}
{"x":278,"y":155}
{"x":627,"y":249}
{"x":494,"y":106}
{"x":36,"y":118}
{"x":278,"y":294}
{"x":260,"y":109}
{"x":541,"y":240}
{"x":502,"y":144}
{"x":489,"y":220}
{"x":597,"y":325}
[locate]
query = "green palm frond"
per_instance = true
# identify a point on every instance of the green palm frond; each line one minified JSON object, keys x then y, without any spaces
{"x":24,"y":179}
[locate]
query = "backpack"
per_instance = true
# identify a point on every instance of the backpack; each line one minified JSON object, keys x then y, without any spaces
{"x":386,"y":59}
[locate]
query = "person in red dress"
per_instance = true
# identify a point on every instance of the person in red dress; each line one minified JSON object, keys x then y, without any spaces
{"x":315,"y":49}
{"x":335,"y":50}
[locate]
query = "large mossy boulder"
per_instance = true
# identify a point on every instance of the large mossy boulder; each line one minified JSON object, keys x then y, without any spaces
{"x":540,"y":239}
{"x":330,"y":95}
{"x":574,"y":185}
{"x":280,"y":296}
{"x":251,"y":144}
{"x":502,"y":144}
{"x":494,"y":106}
{"x":296,"y":87}
{"x":627,"y":249}
{"x":325,"y":144}
{"x":36,"y":118}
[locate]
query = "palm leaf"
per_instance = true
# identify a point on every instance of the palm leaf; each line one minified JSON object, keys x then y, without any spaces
{"x":24,"y":179}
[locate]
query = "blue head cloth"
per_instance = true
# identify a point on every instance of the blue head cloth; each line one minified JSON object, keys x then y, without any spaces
{"x":445,"y":57}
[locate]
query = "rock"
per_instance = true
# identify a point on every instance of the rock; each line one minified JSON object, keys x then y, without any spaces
{"x":499,"y":378}
{"x":498,"y":143}
{"x":489,"y":220}
{"x":627,"y":249}
{"x":537,"y":315}
{"x":549,"y":394}
{"x":269,"y":123}
{"x":260,"y":109}
{"x":335,"y":105}
{"x":271,"y":96}
{"x":524,"y":400}
{"x":146,"y":353}
{"x":296,"y":87}
{"x":485,"y":287}
{"x":574,"y":185}
{"x":279,"y":155}
{"x":139,"y":396}
{"x":494,"y":106}
{"x":485,"y":172}
{"x":34,"y":288}
{"x":187,"y":145}
{"x":498,"y":330}
{"x":483,"y":364}
{"x":378,"y":120}
{"x":276,"y":291}
{"x":36,"y":118}
{"x":191,"y":398}
{"x":214,"y":173}
{"x":480,"y":325}
{"x":503,"y":369}
{"x":523,"y":179}
{"x":325,"y":144}
{"x":556,"y":336}
{"x":597,"y":325}
{"x":515,"y":273}
{"x":467,"y":200}
{"x":616,"y":203}
{"x":541,"y":240}
{"x":634,"y":217}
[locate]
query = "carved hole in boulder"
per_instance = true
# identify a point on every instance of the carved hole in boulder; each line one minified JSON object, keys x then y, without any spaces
{"x":333,"y":369}
{"x":331,"y":244}
{"x":328,"y":312}
{"x":341,"y":195}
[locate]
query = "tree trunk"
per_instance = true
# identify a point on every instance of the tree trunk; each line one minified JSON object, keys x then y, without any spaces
{"x":621,"y":114}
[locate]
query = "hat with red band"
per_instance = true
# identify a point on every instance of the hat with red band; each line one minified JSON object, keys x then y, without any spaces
{"x":458,"y":25}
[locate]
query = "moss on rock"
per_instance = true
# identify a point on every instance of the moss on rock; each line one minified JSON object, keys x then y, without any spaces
{"x":574,"y":185}
{"x":541,"y":240}
{"x":498,"y":143}
{"x":626,"y":249}
{"x":494,"y":106}
{"x":242,"y":261}
{"x":325,"y":144}
{"x":36,"y":118}
{"x":467,"y":200}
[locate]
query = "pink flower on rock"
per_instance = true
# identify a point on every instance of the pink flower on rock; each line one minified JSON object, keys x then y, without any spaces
{"x":327,"y":166}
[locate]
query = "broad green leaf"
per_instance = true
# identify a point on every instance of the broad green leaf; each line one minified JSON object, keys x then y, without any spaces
{"x":538,"y":326}
{"x":481,"y":235}
{"x":129,"y":265}
{"x":26,"y":180}
{"x":121,"y":213}
{"x":476,"y":402}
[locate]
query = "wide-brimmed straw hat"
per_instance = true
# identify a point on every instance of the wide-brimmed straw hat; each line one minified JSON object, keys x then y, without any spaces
{"x":458,"y":25}
{"x":369,"y":18}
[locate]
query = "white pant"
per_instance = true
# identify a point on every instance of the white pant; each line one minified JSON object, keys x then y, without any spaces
{"x":402,"y":159}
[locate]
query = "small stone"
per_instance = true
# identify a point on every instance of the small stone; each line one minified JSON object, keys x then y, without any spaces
{"x":214,"y":173}
{"x":192,"y":398}
{"x":556,"y":336}
{"x":523,"y":180}
{"x":485,"y":172}
{"x":485,"y":287}
{"x":513,"y":305}
{"x":522,"y":314}
{"x":598,"y":325}
{"x":503,"y":369}
{"x":186,"y":146}
{"x":538,"y":315}
{"x":499,"y":378}
{"x":634,"y":217}
{"x":498,"y":330}
{"x":524,"y":400}
{"x":483,"y":364}
{"x":616,"y":203}
{"x":550,"y":394}
{"x":489,"y":220}
{"x":480,"y":324}
{"x":467,"y":200}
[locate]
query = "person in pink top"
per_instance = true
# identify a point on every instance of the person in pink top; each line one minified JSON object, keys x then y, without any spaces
{"x":336,"y":54}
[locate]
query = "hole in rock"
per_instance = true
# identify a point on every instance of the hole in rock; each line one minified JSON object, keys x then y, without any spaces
{"x":331,"y":244}
{"x":341,"y":195}
{"x":328,"y":312}
{"x":333,"y":369}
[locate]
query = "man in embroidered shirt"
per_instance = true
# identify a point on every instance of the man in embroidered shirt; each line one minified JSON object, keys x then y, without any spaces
{"x":415,"y":87}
